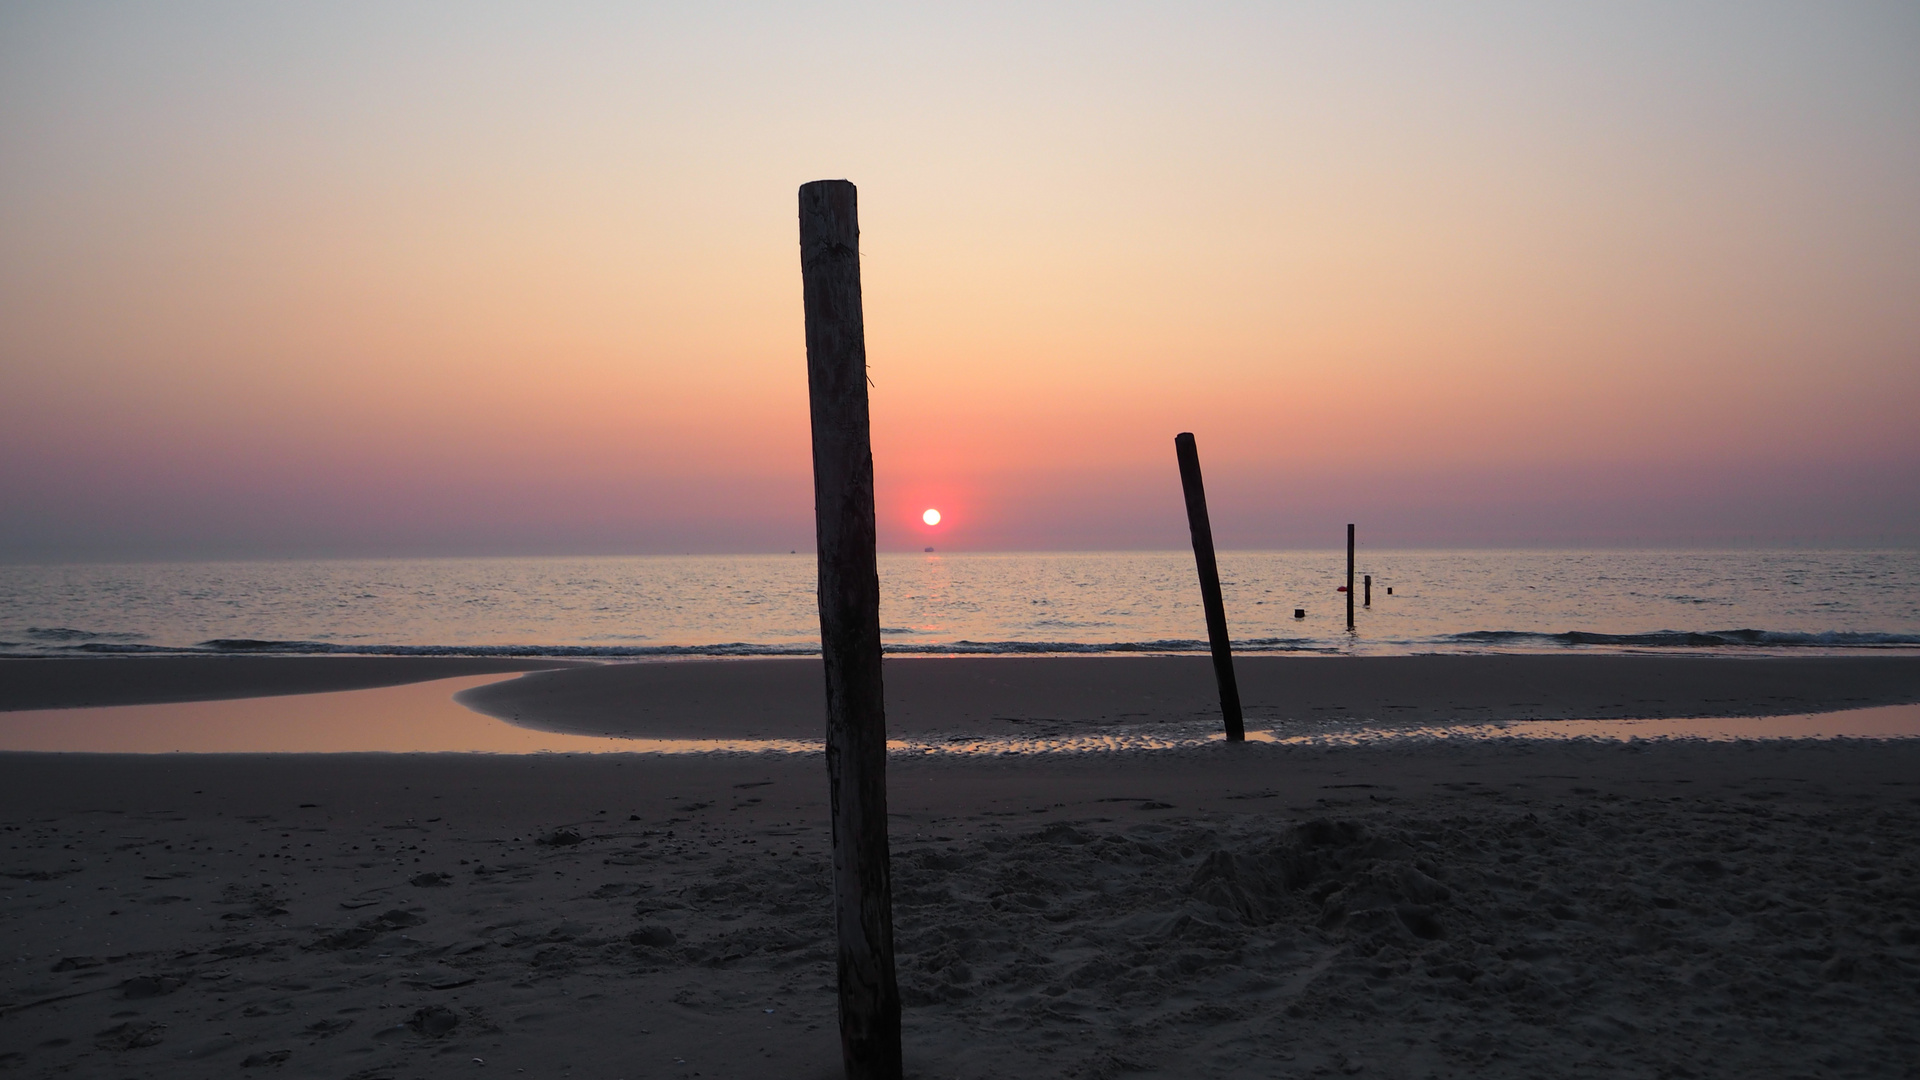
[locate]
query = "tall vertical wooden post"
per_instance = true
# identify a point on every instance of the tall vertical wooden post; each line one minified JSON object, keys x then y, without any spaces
{"x":1216,"y":607}
{"x":850,"y":629}
{"x":1349,"y":575}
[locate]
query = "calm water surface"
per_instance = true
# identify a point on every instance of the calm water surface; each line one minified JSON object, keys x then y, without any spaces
{"x":1476,"y":601}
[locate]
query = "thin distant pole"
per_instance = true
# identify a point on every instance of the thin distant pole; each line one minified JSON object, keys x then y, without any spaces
{"x":850,"y":629}
{"x":1349,"y":575}
{"x":1366,"y":591}
{"x":1202,"y":529}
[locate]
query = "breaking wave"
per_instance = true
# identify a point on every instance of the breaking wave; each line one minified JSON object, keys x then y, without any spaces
{"x":72,"y":642}
{"x":1693,"y":639}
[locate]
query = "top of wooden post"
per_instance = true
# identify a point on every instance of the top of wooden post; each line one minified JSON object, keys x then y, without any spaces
{"x":829,"y":222}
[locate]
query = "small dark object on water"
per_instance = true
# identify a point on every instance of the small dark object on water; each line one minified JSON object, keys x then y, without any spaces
{"x":1299,"y":613}
{"x":1367,"y":595}
{"x":929,"y":549}
{"x":1389,"y":590}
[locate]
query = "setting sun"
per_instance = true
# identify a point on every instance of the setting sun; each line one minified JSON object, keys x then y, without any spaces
{"x":931,"y":517}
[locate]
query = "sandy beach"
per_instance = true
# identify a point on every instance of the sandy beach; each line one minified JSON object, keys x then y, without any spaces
{"x":1507,"y":908}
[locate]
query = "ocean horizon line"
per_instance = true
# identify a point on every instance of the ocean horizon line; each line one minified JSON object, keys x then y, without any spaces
{"x":1782,"y":548}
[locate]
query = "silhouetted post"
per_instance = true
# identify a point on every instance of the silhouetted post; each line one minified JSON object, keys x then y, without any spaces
{"x":1202,"y":529}
{"x":1349,"y":575}
{"x":850,"y":629}
{"x":1366,"y":591}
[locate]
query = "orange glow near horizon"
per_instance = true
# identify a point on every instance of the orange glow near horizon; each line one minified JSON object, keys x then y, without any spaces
{"x":390,"y":299}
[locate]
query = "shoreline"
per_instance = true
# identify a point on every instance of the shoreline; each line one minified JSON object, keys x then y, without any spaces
{"x":780,"y":698}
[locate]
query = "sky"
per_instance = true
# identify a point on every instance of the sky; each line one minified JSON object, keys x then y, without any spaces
{"x":489,"y":279}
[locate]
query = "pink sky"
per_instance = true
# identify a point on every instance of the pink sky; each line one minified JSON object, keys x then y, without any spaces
{"x":487,"y":280}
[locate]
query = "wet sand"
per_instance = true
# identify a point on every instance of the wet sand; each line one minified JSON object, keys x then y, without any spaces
{"x":781,"y":698}
{"x":1001,"y":697}
{"x":99,"y":681}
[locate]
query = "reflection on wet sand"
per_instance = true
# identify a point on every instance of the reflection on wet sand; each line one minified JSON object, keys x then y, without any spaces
{"x":415,"y":718}
{"x":1881,"y":722}
{"x":424,"y":718}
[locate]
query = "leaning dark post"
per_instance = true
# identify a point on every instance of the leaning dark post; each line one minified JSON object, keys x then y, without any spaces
{"x":850,"y":629}
{"x":1349,"y":575}
{"x":1202,"y":529}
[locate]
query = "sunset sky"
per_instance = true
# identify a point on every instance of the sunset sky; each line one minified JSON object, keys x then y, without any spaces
{"x":423,"y":279}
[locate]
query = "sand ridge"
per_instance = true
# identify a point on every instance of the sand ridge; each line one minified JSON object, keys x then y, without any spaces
{"x":94,"y":681}
{"x":1020,"y":696}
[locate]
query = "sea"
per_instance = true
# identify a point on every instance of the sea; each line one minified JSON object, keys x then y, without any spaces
{"x":944,"y":603}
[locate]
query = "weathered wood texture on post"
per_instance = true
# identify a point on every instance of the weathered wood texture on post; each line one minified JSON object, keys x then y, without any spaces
{"x":1202,"y":528}
{"x":850,"y":629}
{"x":1349,"y":575}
